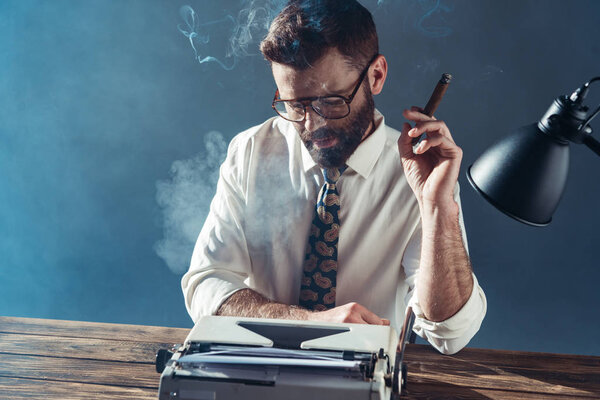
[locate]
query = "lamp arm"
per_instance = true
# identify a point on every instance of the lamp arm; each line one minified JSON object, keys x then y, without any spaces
{"x":592,"y":143}
{"x":590,"y":118}
{"x":580,"y":94}
{"x":578,"y":97}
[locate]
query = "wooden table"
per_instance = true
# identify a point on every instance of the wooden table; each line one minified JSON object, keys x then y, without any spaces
{"x":51,"y":359}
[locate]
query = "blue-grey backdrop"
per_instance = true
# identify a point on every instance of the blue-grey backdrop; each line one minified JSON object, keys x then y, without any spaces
{"x":113,"y":122}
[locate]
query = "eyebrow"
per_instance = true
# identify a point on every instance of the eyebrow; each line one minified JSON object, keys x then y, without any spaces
{"x":342,"y":93}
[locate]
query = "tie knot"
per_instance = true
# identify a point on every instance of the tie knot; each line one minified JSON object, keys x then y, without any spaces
{"x":332,"y":175}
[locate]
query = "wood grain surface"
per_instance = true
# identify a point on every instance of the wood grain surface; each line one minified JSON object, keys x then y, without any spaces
{"x":51,"y":359}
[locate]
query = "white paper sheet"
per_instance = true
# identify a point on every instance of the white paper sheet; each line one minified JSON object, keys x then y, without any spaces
{"x":267,"y":356}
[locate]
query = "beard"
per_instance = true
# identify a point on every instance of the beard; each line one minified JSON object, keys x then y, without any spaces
{"x":349,"y":135}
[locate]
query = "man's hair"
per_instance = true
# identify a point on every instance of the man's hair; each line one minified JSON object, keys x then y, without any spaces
{"x":306,"y":29}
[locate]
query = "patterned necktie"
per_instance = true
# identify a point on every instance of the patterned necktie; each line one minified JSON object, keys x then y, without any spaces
{"x":320,"y":264}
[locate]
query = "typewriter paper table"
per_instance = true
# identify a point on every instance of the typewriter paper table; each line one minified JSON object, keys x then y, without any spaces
{"x":51,"y":359}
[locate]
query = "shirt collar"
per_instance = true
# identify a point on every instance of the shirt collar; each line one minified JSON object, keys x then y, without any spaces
{"x":366,"y":154}
{"x":307,"y":160}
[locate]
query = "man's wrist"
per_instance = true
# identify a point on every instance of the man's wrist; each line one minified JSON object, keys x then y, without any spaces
{"x":439,"y":215}
{"x":445,"y":206}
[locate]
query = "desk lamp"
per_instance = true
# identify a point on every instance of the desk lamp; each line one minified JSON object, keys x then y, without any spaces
{"x":524,"y":174}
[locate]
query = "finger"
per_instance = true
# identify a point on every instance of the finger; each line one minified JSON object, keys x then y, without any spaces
{"x":405,"y":137}
{"x":432,"y":140}
{"x":385,"y":321}
{"x":416,"y":116}
{"x":405,"y":142}
{"x":446,"y":146}
{"x":430,"y":127}
{"x":370,"y":317}
{"x":421,"y":110}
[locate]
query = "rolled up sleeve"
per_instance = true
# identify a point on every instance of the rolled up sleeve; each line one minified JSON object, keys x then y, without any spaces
{"x":220,"y":263}
{"x":451,"y":335}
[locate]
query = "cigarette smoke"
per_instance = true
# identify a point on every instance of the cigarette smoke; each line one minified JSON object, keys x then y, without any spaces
{"x":425,"y":16}
{"x":184,"y":200}
{"x":241,"y":33}
{"x":427,"y":23}
{"x":198,"y":35}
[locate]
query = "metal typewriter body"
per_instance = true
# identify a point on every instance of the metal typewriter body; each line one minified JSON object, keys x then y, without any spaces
{"x":250,"y":358}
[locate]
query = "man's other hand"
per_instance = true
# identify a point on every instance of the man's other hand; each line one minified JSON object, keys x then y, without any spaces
{"x":350,"y":313}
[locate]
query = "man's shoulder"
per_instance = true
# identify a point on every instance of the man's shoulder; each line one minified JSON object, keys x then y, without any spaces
{"x":392,"y":134}
{"x":260,"y":142}
{"x":272,"y":127}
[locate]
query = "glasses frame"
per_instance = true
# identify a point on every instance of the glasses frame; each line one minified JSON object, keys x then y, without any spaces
{"x":305,"y":101}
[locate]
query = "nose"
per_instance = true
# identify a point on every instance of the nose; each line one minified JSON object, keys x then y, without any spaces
{"x":313,"y":120}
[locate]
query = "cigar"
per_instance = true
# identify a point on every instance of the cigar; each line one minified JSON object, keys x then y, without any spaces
{"x":433,"y":103}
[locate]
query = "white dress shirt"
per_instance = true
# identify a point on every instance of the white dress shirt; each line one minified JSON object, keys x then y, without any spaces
{"x":256,"y":233}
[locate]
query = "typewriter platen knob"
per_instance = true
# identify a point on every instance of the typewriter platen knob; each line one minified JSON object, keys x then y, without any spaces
{"x":162,"y":357}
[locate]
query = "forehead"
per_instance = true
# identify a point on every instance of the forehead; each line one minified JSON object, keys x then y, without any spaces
{"x":329,"y":75}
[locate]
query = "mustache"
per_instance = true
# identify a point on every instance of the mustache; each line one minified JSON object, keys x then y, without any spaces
{"x":321,"y":133}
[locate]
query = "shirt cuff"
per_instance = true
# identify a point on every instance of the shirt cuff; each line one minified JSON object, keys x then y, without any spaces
{"x":208,"y":295}
{"x":452,"y":334}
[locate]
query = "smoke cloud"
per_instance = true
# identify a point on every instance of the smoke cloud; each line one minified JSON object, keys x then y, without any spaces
{"x":428,"y":25}
{"x":198,"y":34}
{"x":240,"y":34}
{"x":425,"y":16}
{"x":184,"y":200}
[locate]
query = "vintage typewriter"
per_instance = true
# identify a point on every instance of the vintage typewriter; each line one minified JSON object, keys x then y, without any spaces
{"x":250,"y":358}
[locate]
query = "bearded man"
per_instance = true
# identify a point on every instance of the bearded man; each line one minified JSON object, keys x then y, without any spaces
{"x":324,"y":212}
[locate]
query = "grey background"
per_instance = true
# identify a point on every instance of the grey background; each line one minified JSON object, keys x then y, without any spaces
{"x":99,"y":99}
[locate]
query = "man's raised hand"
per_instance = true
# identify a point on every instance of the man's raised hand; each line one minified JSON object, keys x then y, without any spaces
{"x":432,"y":169}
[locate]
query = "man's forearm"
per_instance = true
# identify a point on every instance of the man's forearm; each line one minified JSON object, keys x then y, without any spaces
{"x":249,"y":303}
{"x":445,"y":281}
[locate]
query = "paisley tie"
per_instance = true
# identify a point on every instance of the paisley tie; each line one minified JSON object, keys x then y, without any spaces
{"x":320,"y":264}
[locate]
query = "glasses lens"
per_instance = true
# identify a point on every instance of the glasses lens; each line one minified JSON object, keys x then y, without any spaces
{"x":291,"y":110}
{"x":331,"y":107}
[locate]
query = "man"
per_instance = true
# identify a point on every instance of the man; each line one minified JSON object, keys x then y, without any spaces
{"x":387,"y":229}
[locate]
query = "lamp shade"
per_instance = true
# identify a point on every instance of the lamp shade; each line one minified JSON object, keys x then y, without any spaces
{"x":523,"y":175}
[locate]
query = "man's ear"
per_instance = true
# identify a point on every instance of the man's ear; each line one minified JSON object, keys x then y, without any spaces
{"x":377,"y":74}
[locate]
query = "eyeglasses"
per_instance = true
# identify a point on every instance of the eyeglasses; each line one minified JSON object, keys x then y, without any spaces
{"x":329,"y":107}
